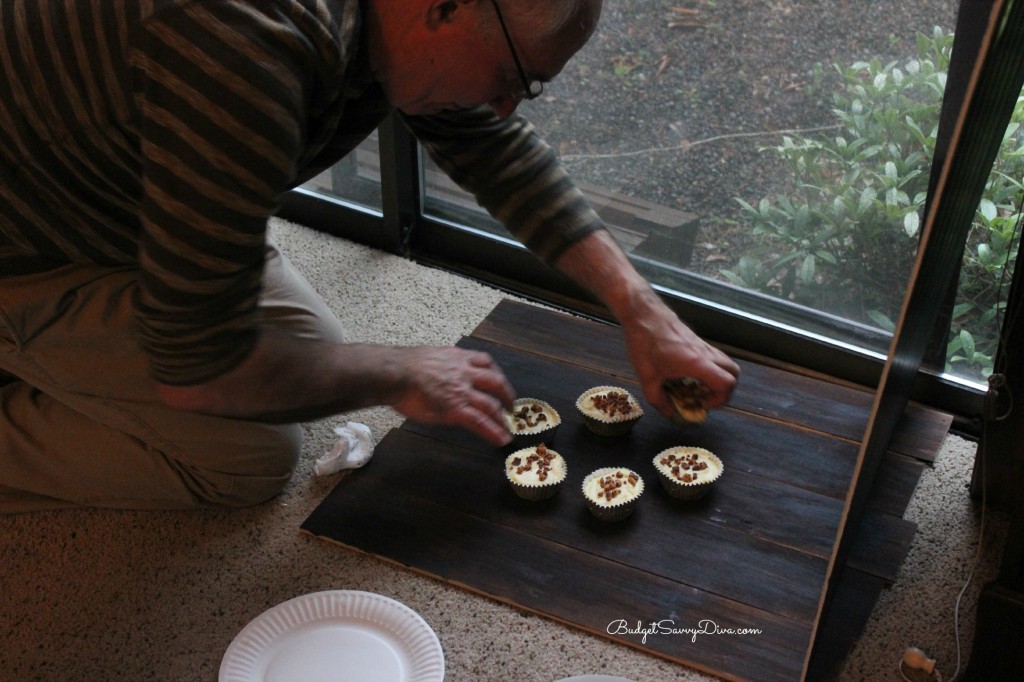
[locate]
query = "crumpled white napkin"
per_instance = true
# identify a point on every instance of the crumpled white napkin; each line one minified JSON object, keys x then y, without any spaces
{"x":353,"y":449}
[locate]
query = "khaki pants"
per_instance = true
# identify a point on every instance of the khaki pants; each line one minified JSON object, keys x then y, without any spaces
{"x":80,"y":424}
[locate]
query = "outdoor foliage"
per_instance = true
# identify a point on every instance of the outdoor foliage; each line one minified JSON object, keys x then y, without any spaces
{"x":844,"y":238}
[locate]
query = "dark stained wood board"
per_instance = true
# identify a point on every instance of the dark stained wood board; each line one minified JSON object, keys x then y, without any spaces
{"x":767,"y":391}
{"x":384,"y":511}
{"x":750,"y":443}
{"x":753,"y":554}
{"x":843,"y":622}
{"x":796,"y":456}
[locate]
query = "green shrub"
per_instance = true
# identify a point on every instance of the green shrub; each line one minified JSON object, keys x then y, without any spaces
{"x":988,"y":260}
{"x":843,"y":238}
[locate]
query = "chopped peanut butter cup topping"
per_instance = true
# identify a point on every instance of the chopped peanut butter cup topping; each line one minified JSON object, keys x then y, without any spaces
{"x":612,"y":403}
{"x":686,"y":467}
{"x":689,"y":396}
{"x":541,"y":458}
{"x":611,"y":484}
{"x":529,"y":416}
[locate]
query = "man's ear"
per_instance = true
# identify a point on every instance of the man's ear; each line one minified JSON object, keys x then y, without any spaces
{"x":447,"y":11}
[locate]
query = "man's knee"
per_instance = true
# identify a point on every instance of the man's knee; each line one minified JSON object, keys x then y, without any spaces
{"x":249,"y":473}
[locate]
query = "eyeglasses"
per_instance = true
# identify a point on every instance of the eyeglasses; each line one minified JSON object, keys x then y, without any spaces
{"x":531,"y":89}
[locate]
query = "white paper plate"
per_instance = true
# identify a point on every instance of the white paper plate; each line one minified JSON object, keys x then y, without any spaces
{"x":335,"y":635}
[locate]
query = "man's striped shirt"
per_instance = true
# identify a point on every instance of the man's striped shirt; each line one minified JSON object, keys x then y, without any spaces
{"x":160,"y":134}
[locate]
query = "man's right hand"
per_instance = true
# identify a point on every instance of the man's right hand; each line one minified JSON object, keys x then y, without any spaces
{"x":449,"y":385}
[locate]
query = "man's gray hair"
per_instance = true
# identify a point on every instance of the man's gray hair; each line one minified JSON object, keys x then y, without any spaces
{"x":545,"y":18}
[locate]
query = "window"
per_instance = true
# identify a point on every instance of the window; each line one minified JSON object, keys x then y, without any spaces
{"x":354,"y":180}
{"x":764,"y":164}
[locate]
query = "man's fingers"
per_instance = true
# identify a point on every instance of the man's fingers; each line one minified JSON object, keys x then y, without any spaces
{"x":480,"y":359}
{"x":488,"y":423}
{"x":494,"y":383}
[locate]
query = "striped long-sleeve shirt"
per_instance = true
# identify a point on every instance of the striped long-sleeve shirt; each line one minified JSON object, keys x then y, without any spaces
{"x":160,"y":134}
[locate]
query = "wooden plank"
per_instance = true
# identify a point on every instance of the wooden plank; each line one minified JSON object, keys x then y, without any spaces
{"x":832,"y":408}
{"x":663,"y":537}
{"x":433,"y":473}
{"x":920,"y":432}
{"x":836,"y":409}
{"x":895,"y":486}
{"x":810,"y":460}
{"x":556,"y":581}
{"x":756,"y":550}
{"x":853,"y":601}
{"x":567,"y":338}
{"x":788,"y":480}
{"x":880,"y":545}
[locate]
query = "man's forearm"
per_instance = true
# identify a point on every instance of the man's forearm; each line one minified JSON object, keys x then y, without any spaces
{"x":288,"y":380}
{"x":600,"y":265}
{"x":660,"y":346}
{"x":291,"y":380}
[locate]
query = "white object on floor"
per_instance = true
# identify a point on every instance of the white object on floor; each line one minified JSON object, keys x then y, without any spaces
{"x":337,"y":634}
{"x":594,"y":678}
{"x":353,"y":449}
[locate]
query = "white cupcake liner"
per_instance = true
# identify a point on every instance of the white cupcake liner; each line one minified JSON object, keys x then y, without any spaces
{"x":618,"y":510}
{"x":682,"y":490}
{"x":608,"y":426}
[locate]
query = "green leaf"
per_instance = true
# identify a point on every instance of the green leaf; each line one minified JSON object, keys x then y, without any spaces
{"x":961,"y":309}
{"x":967,"y":343}
{"x":803,"y":217}
{"x":838,"y":207}
{"x":826,"y":256}
{"x":868,"y":152}
{"x":746,"y":206}
{"x":988,"y":210}
{"x":911,"y":224}
{"x":807,"y":270}
{"x":881,"y":320}
{"x":867,"y":198}
{"x":734,"y":278}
